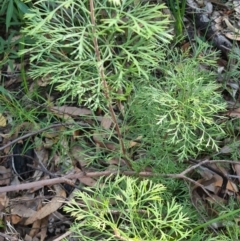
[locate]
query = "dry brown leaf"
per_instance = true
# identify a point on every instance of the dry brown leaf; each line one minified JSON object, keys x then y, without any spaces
{"x":230,"y":186}
{"x":210,"y":185}
{"x":116,"y":161}
{"x":236,"y":168}
{"x":27,"y":238}
{"x":13,"y":219}
{"x":35,"y":228}
{"x":225,"y":150}
{"x":78,"y":154}
{"x":186,"y":47}
{"x":84,"y":179}
{"x":232,"y":36}
{"x":22,"y":211}
{"x":88,"y":181}
{"x":36,"y":225}
{"x":4,"y":200}
{"x":234,"y":113}
{"x":50,"y":207}
{"x":102,"y":143}
{"x":5,"y":174}
{"x":44,"y":225}
{"x":41,"y":156}
{"x":106,"y":122}
{"x":205,"y":173}
{"x":72,"y":111}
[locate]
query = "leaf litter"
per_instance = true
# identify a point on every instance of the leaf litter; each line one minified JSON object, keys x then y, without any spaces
{"x":41,"y":206}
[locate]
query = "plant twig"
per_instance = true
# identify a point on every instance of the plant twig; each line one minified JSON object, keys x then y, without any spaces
{"x":67,"y":179}
{"x":105,"y":84}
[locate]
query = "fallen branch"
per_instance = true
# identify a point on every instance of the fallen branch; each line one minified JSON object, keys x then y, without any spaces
{"x":68,"y":179}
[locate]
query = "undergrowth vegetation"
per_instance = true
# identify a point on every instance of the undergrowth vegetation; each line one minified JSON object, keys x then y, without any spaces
{"x":107,"y":211}
{"x":64,"y":52}
{"x":117,"y":58}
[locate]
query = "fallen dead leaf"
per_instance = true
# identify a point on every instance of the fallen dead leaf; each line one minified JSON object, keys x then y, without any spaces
{"x":13,"y":219}
{"x":88,"y":181}
{"x":226,"y":150}
{"x":5,"y":176}
{"x":4,"y":200}
{"x":72,"y":111}
{"x":50,"y":207}
{"x":98,"y":138}
{"x":78,"y":154}
{"x":106,"y":122}
{"x":44,"y":225}
{"x":36,"y":225}
{"x":234,"y":113}
{"x":22,"y":211}
{"x":231,"y":36}
{"x":209,"y":184}
{"x":230,"y":186}
{"x":236,"y":168}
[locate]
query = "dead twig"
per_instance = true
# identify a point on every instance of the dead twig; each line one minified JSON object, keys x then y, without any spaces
{"x":67,"y":179}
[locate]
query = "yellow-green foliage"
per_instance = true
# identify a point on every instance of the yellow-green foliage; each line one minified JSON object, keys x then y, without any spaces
{"x":128,"y":209}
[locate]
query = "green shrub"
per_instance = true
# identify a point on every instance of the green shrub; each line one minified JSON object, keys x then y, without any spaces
{"x":178,"y":113}
{"x":129,"y":39}
{"x":127,"y":209}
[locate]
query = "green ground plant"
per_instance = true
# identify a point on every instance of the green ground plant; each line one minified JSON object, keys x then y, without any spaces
{"x":174,"y":106}
{"x":78,"y":49}
{"x":178,"y":10}
{"x":127,"y":209}
{"x":178,"y":114}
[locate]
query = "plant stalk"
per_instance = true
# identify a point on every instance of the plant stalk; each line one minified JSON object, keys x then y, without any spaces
{"x":105,"y":85}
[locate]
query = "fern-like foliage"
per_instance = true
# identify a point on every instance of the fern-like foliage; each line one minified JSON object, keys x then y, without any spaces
{"x":130,"y":38}
{"x":126,"y":208}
